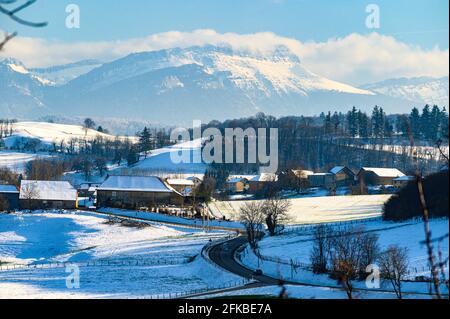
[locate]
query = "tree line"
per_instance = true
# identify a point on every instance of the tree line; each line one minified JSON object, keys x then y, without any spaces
{"x":354,"y":139}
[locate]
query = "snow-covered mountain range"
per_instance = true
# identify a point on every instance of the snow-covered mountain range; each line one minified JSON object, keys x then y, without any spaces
{"x":427,"y":90}
{"x":177,"y":85}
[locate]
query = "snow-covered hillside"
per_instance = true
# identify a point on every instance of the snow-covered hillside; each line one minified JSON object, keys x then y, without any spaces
{"x":425,"y":89}
{"x":49,"y":133}
{"x":16,"y":161}
{"x":163,"y":160}
{"x":21,"y":92}
{"x":61,"y":74}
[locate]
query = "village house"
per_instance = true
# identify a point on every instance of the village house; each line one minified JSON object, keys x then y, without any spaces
{"x":237,"y":184}
{"x":137,"y":192}
{"x":47,"y":195}
{"x":9,"y":196}
{"x":402,"y":181}
{"x":249,"y":183}
{"x":343,"y":176}
{"x":323,"y":180}
{"x":378,"y":176}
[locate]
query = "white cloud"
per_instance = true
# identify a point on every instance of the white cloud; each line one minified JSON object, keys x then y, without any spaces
{"x":354,"y":59}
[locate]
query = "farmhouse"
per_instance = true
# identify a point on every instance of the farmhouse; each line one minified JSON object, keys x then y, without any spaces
{"x":379,"y":176}
{"x":238,"y":184}
{"x":137,"y":192}
{"x":325,"y":180}
{"x":343,"y":176}
{"x":47,"y":195}
{"x":9,"y":197}
{"x":249,"y":183}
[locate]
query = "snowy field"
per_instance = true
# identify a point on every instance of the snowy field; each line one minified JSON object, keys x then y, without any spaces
{"x":156,"y":217}
{"x":297,"y":248}
{"x":160,"y":160}
{"x":16,"y":161}
{"x":50,"y":133}
{"x":125,"y":262}
{"x":308,"y":292}
{"x":317,"y":209}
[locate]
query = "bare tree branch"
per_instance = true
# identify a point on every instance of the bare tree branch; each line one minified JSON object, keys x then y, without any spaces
{"x":11,"y":13}
{"x":6,"y":39}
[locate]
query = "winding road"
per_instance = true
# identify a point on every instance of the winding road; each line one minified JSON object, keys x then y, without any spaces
{"x":223,"y":254}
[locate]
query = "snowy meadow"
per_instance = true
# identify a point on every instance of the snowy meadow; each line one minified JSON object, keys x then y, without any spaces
{"x":115,"y":261}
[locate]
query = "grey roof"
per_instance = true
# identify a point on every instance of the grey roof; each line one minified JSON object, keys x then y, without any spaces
{"x":336,"y":169}
{"x":135,"y":183}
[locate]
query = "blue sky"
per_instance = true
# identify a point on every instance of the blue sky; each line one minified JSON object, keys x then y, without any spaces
{"x":330,"y":36}
{"x":416,"y":22}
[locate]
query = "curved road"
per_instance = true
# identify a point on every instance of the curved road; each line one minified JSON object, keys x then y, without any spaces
{"x":223,"y":254}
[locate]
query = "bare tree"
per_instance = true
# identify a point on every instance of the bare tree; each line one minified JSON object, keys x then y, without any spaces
{"x":370,"y":251}
{"x":12,"y":14}
{"x":346,"y":259}
{"x":276,"y":213}
{"x":252,"y":216}
{"x":394,"y":266}
{"x":320,"y":252}
{"x":351,"y":251}
{"x":29,"y":192}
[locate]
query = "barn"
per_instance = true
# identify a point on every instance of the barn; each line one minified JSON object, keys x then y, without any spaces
{"x":343,"y":176}
{"x":9,"y":197}
{"x":324,"y":180}
{"x":47,"y":195}
{"x":379,"y":176}
{"x":135,"y":192}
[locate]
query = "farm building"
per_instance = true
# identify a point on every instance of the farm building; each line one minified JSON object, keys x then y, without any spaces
{"x":237,"y":184}
{"x":343,"y":176}
{"x":402,"y":181}
{"x":184,"y":186}
{"x":9,"y":197}
{"x":260,"y":181}
{"x":379,"y":176}
{"x":87,"y":189}
{"x":137,"y":192}
{"x":48,"y":195}
{"x":249,"y":183}
{"x":302,"y":173}
{"x":325,"y":180}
